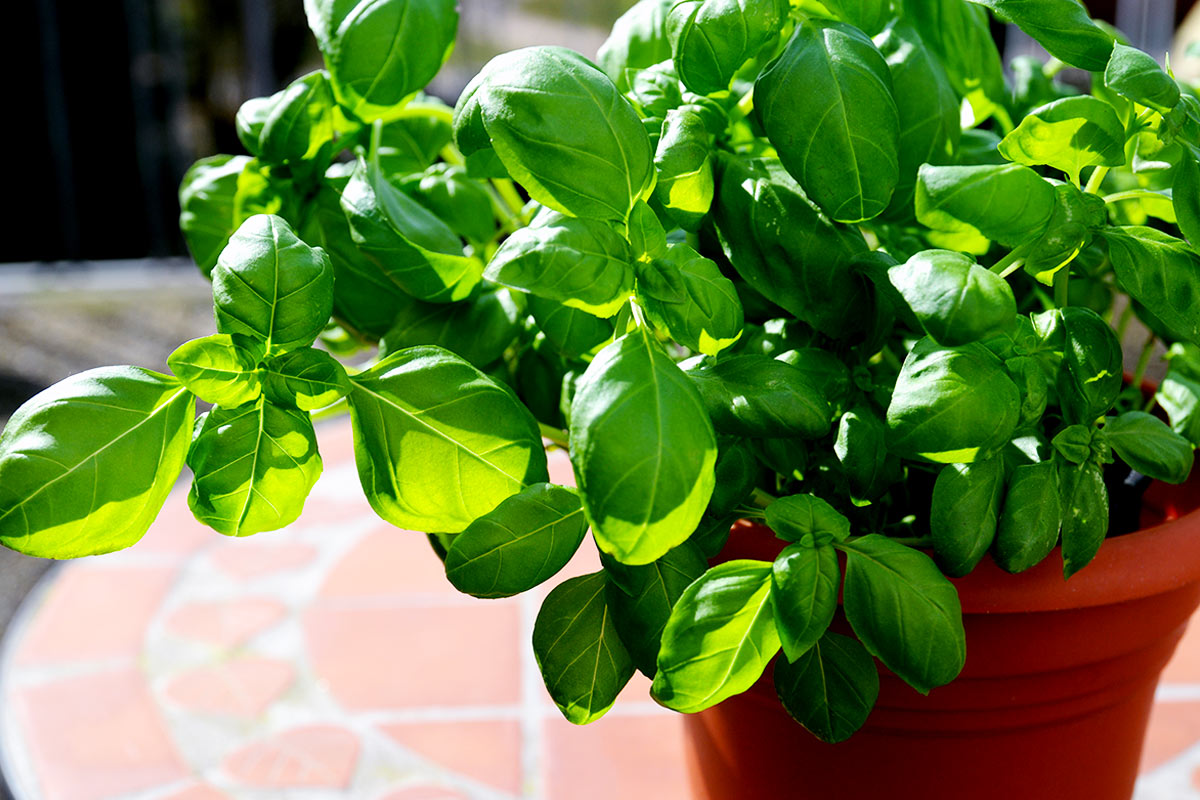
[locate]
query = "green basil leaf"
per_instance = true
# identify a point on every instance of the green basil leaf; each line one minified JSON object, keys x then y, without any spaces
{"x":638,"y":40}
{"x":1148,"y":445}
{"x":305,"y":379}
{"x":952,"y":405}
{"x":1084,"y":514}
{"x":378,"y":54}
{"x":217,"y":370}
{"x":519,"y":544}
{"x":86,"y":465}
{"x":861,"y":447}
{"x":580,"y":263}
{"x":708,"y":318}
{"x":439,"y":444}
{"x":1032,"y":516}
{"x":293,"y":125}
{"x":643,"y":450}
{"x":831,"y":689}
{"x":1160,"y":272}
{"x":1089,"y":385}
{"x":737,"y":473}
{"x":573,"y":333}
{"x":904,"y":611}
{"x":955,"y":300}
{"x":1179,"y":396}
{"x":412,"y":144}
{"x":1185,"y":197}
{"x":1010,"y":204}
{"x":646,"y":234}
{"x":964,"y":515}
{"x":479,"y":329}
{"x":206,"y":215}
{"x":1074,"y":443}
{"x":719,"y":639}
{"x":1134,"y":74}
{"x":1068,"y":134}
{"x":562,"y":130}
{"x":414,"y":249}
{"x":583,"y":662}
{"x":654,"y":91}
{"x":798,"y":516}
{"x":263,"y":189}
{"x":712,"y":39}
{"x":821,"y":368}
{"x":867,"y":15}
{"x":1061,"y":26}
{"x":826,"y":105}
{"x":760,"y":396}
{"x":463,"y":204}
{"x":641,"y":598}
{"x":683,"y":159}
{"x":254,"y":467}
{"x":1075,"y":214}
{"x":961,"y":37}
{"x":804,"y":594}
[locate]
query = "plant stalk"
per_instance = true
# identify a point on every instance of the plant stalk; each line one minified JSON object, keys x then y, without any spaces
{"x":556,"y":435}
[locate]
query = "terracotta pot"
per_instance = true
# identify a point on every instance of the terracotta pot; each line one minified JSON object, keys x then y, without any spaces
{"x":1053,"y":701}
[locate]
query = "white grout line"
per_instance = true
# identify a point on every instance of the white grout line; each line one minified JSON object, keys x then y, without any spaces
{"x":1177,"y":693}
{"x":533,"y":740}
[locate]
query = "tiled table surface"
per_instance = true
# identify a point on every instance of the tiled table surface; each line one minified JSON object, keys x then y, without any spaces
{"x":333,"y":660}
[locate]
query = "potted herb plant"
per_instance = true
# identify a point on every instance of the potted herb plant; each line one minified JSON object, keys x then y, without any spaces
{"x":820,"y":267}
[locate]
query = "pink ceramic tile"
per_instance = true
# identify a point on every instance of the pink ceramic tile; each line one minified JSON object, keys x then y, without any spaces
{"x":197,"y":792}
{"x":335,"y":438}
{"x":227,"y":623}
{"x":176,"y":532}
{"x":95,"y":612}
{"x":489,"y":752}
{"x":559,"y":464}
{"x":425,"y":793}
{"x":318,"y":755}
{"x":1184,"y":667}
{"x":389,"y":563}
{"x":97,"y":736}
{"x":398,"y":657}
{"x":248,"y":559}
{"x":243,"y":687}
{"x":616,"y":756}
{"x":1174,"y":727}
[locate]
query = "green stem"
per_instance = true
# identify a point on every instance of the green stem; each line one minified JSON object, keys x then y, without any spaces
{"x":556,"y":435}
{"x":451,"y":155}
{"x":338,"y":409}
{"x":509,"y":194}
{"x":762,"y":499}
{"x":376,"y":139}
{"x":438,"y":112}
{"x":1131,"y":194}
{"x":1097,"y":178}
{"x":914,"y":541}
{"x":639,"y":316}
{"x":1123,"y":322}
{"x":1144,"y":361}
{"x":1061,"y":284}
{"x":1052,"y":67}
{"x":1011,"y":262}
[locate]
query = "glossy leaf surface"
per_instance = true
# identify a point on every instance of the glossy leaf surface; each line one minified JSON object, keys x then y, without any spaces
{"x":1032,"y":516}
{"x":216,"y":370}
{"x":804,"y":592}
{"x":1068,"y":134}
{"x":761,"y":397}
{"x":1007,"y":203}
{"x":306,"y":379}
{"x":965,"y":512}
{"x":831,"y":689}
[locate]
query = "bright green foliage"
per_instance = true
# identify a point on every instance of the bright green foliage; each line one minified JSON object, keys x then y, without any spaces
{"x":292,"y":126}
{"x":1061,"y":26}
{"x":1010,"y":204}
{"x":1032,"y":516}
{"x":454,"y":198}
{"x":830,"y":689}
{"x":1068,"y":134}
{"x":955,"y":300}
{"x":572,"y":332}
{"x":479,"y":328}
{"x":683,"y":160}
{"x":1092,"y":357}
{"x":1084,"y":501}
{"x":1148,"y":445}
{"x":1179,"y":396}
{"x":965,"y":512}
{"x":706,"y":315}
{"x":217,"y":370}
{"x":1160,"y":272}
{"x":799,"y":516}
{"x":712,"y":39}
{"x":1186,"y":197}
{"x":305,"y":379}
{"x":861,"y":447}
{"x":638,"y":40}
{"x":760,"y":396}
{"x":1136,"y":75}
{"x":206,"y":197}
{"x":958,"y":33}
{"x":804,"y":592}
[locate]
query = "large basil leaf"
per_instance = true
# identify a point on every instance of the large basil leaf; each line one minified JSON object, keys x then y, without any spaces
{"x":86,"y":465}
{"x":712,"y":39}
{"x":830,"y":689}
{"x":955,"y":300}
{"x":643,"y":450}
{"x":866,"y":15}
{"x":964,"y":514}
{"x":1032,"y":515}
{"x":217,"y":370}
{"x":573,"y":333}
{"x":1148,"y":445}
{"x":439,"y":444}
{"x":826,"y":105}
{"x":738,"y":473}
{"x":296,"y":123}
{"x":638,"y":40}
{"x":1068,"y":134}
{"x":1136,"y":75}
{"x":1010,"y":203}
{"x":583,"y":662}
{"x":654,"y":92}
{"x":683,"y":160}
{"x":305,"y":379}
{"x":378,"y":54}
{"x":1179,"y":395}
{"x":1185,"y":197}
{"x":641,"y":598}
{"x":271,"y":286}
{"x":760,"y":396}
{"x":1085,"y":514}
{"x":562,"y":130}
{"x":1061,"y":26}
{"x":519,"y":544}
{"x":1076,"y":213}
{"x":719,"y":639}
{"x":804,"y":593}
{"x":708,"y":317}
{"x":414,"y":249}
{"x":254,"y":467}
{"x":904,"y":611}
{"x":952,"y":405}
{"x":581,"y":263}
{"x":1089,"y":385}
{"x":1160,"y":272}
{"x":479,"y":329}
{"x":861,"y":447}
{"x":959,"y":34}
{"x":206,"y":215}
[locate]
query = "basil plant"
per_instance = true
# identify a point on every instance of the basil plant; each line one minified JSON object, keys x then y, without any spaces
{"x":826,"y":266}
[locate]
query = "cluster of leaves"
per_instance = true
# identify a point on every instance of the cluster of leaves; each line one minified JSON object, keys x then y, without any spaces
{"x":816,"y":264}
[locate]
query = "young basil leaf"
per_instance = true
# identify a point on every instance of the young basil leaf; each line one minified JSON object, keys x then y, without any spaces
{"x":412,"y":144}
{"x":798,"y":516}
{"x":1074,"y":443}
{"x":573,"y":333}
{"x":904,"y":611}
{"x":959,"y":34}
{"x":1031,"y":518}
{"x":804,"y":594}
{"x":581,"y":263}
{"x":861,"y":447}
{"x":439,"y":444}
{"x":1160,"y":272}
{"x":413,"y":248}
{"x":479,"y":329}
{"x":1061,"y":26}
{"x":759,"y":396}
{"x":1029,"y":376}
{"x":719,"y":639}
{"x":378,"y":54}
{"x":654,"y":91}
{"x":712,"y":39}
{"x":1148,"y":445}
{"x":251,"y":117}
{"x":1185,"y":197}
{"x":641,"y":598}
{"x":263,"y":189}
{"x":821,"y":368}
{"x":1136,"y":75}
{"x":254,"y":467}
{"x":831,"y":689}
{"x":217,"y":370}
{"x":1089,"y":385}
{"x":463,"y":204}
{"x":955,"y":300}
{"x":737,"y":472}
{"x":685,"y":173}
{"x":708,"y":318}
{"x":966,"y":507}
{"x":562,"y":130}
{"x":271,"y":286}
{"x":1179,"y":396}
{"x":306,"y":379}
{"x":643,"y":450}
{"x":1075,"y":214}
{"x":291,"y":126}
{"x":646,"y":234}
{"x":868,"y":16}
{"x":206,"y":215}
{"x":638,"y":40}
{"x":581,"y":657}
{"x":1084,"y":514}
{"x":1010,"y":204}
{"x":826,"y":105}
{"x":952,"y":405}
{"x":1068,"y":134}
{"x":784,"y":248}
{"x":519,"y":544}
{"x":86,"y":465}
